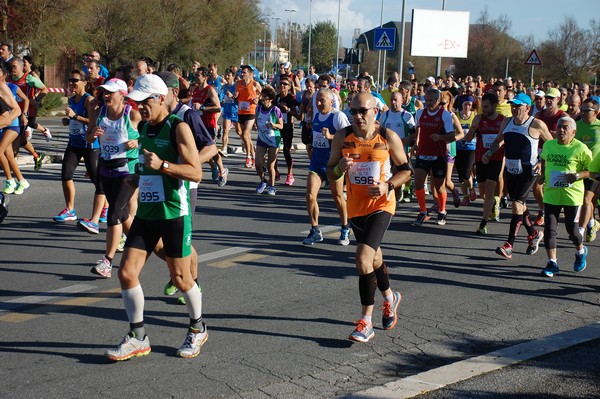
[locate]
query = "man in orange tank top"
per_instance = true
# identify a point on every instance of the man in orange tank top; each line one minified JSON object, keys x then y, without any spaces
{"x":247,"y":93}
{"x":364,"y":152}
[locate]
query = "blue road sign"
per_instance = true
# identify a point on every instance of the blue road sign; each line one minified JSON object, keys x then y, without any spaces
{"x":384,"y":39}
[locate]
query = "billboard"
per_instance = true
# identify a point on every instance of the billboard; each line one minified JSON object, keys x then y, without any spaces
{"x":438,"y":33}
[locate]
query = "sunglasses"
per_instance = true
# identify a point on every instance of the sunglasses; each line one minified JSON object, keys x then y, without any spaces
{"x":585,"y":111}
{"x":285,"y":84}
{"x":74,"y":80}
{"x":145,"y":102}
{"x":362,"y":111}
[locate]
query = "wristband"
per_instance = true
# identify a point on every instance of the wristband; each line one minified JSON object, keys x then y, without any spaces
{"x":489,"y":153}
{"x":337,"y":172}
{"x":74,"y":117}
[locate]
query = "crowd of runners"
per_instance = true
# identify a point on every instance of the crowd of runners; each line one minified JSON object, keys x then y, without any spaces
{"x":144,"y":135}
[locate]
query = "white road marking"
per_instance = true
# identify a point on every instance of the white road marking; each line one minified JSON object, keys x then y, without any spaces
{"x":44,"y":296}
{"x":430,"y":380}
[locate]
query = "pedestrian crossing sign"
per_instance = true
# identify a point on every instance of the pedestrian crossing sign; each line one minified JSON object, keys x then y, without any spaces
{"x":384,"y":39}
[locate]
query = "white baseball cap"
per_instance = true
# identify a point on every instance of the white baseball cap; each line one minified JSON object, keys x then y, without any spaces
{"x":146,"y":86}
{"x":114,"y":85}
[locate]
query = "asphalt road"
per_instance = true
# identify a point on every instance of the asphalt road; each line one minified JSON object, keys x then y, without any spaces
{"x":278,"y":312}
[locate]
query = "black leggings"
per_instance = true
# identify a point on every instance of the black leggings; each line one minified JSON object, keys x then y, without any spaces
{"x":464,"y":163}
{"x":118,"y":191}
{"x":551,"y":214}
{"x":71,"y":160}
{"x":287,"y":135}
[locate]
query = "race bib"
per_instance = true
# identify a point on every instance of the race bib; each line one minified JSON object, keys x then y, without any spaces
{"x":558,"y":179}
{"x":111,"y":148}
{"x":75,"y":128}
{"x":319,"y":141}
{"x":488,"y":140}
{"x":151,"y":189}
{"x":244,"y":105}
{"x":364,"y":173}
{"x":514,"y":166}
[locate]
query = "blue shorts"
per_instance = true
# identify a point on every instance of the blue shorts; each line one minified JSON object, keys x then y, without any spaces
{"x":321,"y":171}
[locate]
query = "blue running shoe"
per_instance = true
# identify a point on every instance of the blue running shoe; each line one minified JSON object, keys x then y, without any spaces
{"x":390,"y":315}
{"x":314,"y":235}
{"x":363,"y":332}
{"x":103,"y":215}
{"x":580,"y":260}
{"x":344,"y":236}
{"x":89,"y":226}
{"x":261,"y":187}
{"x":66,"y":216}
{"x":551,"y":269}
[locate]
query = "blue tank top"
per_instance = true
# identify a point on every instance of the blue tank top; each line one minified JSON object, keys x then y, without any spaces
{"x":77,"y":130}
{"x":321,"y":146}
{"x":13,"y":89}
{"x":229,"y":104}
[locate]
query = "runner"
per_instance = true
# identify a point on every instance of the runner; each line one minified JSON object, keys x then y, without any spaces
{"x":205,"y":101}
{"x":115,"y":126}
{"x":588,"y":132}
{"x":247,"y":93}
{"x":288,"y":105}
{"x":485,"y":129}
{"x":520,"y":135}
{"x":10,"y":131}
{"x":435,"y":129}
{"x":565,"y":162}
{"x":77,"y":148}
{"x":364,"y":153}
{"x":230,"y":111}
{"x":170,"y":161}
{"x":327,"y":121}
{"x":268,"y":122}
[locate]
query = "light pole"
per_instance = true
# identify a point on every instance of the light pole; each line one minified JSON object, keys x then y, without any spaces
{"x":337,"y":43}
{"x":276,"y":45}
{"x":264,"y":48}
{"x":309,"y":31}
{"x":290,"y":10}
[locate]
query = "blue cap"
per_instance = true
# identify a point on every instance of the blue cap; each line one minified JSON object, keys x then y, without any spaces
{"x":596,"y":99}
{"x":521,"y":98}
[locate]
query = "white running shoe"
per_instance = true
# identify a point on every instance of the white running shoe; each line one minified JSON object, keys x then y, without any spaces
{"x":193,"y":342}
{"x":128,"y":348}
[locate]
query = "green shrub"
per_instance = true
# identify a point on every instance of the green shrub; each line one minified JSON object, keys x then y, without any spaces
{"x":51,"y":102}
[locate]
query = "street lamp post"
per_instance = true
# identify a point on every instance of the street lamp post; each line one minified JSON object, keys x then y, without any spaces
{"x":276,"y":44}
{"x":309,"y":31}
{"x":264,"y":48}
{"x":290,"y":10}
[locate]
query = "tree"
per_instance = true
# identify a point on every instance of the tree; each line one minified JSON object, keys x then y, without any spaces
{"x":571,"y":53}
{"x":490,"y":46}
{"x":323,"y":44}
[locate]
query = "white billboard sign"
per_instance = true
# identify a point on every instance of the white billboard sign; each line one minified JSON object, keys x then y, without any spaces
{"x":438,"y":33}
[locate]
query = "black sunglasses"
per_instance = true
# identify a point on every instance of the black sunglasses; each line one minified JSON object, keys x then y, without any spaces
{"x":74,"y":80}
{"x":362,"y":111}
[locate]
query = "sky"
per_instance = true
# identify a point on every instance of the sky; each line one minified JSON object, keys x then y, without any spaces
{"x":528,"y":17}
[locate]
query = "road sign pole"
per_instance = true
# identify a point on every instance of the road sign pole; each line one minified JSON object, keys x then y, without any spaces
{"x":531,"y":78}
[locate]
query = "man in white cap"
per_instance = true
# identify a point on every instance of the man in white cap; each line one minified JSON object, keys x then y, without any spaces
{"x":287,"y":71}
{"x":170,"y":161}
{"x":539,"y":102}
